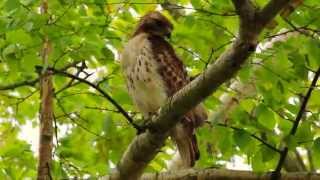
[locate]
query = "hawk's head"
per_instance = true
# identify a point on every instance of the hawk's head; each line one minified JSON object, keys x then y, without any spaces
{"x":154,"y":23}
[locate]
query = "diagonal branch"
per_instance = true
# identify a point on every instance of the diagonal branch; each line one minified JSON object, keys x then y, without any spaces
{"x":19,"y":84}
{"x":146,"y":145}
{"x":252,"y":135}
{"x":104,"y":94}
{"x":271,"y":10}
{"x":294,"y":128}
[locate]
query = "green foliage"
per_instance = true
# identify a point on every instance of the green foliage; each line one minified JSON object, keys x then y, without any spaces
{"x":92,"y":134}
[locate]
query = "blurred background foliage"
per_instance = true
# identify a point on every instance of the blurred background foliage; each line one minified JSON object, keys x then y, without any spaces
{"x":253,"y":109}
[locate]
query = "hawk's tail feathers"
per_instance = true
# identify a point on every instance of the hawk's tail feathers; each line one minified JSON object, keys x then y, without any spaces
{"x":188,"y":150}
{"x":187,"y":147}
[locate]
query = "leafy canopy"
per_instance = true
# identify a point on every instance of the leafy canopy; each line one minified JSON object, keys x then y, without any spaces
{"x":92,"y":134}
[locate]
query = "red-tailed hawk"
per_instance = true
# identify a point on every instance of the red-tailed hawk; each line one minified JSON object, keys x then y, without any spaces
{"x":154,"y":73}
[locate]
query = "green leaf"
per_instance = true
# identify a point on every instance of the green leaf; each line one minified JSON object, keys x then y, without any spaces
{"x":245,"y":73}
{"x":12,"y":4}
{"x":268,"y":154}
{"x":257,"y":163}
{"x":314,"y":101}
{"x":196,"y":3}
{"x":265,"y":116}
{"x":18,"y":36}
{"x":29,"y":62}
{"x":108,"y":55}
{"x":304,"y":133}
{"x":247,"y":104}
{"x":291,"y":142}
{"x":284,"y":125}
{"x":313,"y":49}
{"x":10,"y":50}
{"x":316,"y":151}
{"x":242,"y":139}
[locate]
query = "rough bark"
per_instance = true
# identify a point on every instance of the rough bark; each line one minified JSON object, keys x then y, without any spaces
{"x":146,"y":145}
{"x":46,"y":130}
{"x":217,"y":174}
{"x":46,"y":111}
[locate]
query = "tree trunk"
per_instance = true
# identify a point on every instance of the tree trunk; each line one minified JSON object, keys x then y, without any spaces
{"x":46,"y":111}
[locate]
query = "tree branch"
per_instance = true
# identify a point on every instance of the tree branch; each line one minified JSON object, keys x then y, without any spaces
{"x":104,"y":94}
{"x":294,"y":128}
{"x":146,"y":145}
{"x":271,"y":10}
{"x":19,"y":84}
{"x":247,"y":14}
{"x":33,"y":81}
{"x":252,"y":135}
{"x":223,"y":174}
{"x":244,"y":9}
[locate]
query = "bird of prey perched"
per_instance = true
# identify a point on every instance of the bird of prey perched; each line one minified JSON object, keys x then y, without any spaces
{"x":153,"y":73}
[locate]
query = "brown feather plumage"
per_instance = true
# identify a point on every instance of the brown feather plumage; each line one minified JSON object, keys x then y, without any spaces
{"x":154,"y":73}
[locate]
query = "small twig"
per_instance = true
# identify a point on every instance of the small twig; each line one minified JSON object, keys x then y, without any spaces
{"x":19,"y":84}
{"x":66,"y":52}
{"x":68,"y":115}
{"x":65,"y":162}
{"x":63,"y":13}
{"x":33,"y":81}
{"x":70,"y":83}
{"x":80,"y":93}
{"x":270,"y":70}
{"x":194,"y":54}
{"x":107,"y":77}
{"x":102,"y":109}
{"x":204,"y":11}
{"x":213,"y":50}
{"x":225,"y":29}
{"x":252,"y":135}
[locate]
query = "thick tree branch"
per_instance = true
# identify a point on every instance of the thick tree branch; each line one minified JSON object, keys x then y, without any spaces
{"x":247,"y":14}
{"x":146,"y":145}
{"x":271,"y":10}
{"x":245,"y":9}
{"x":219,"y":174}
